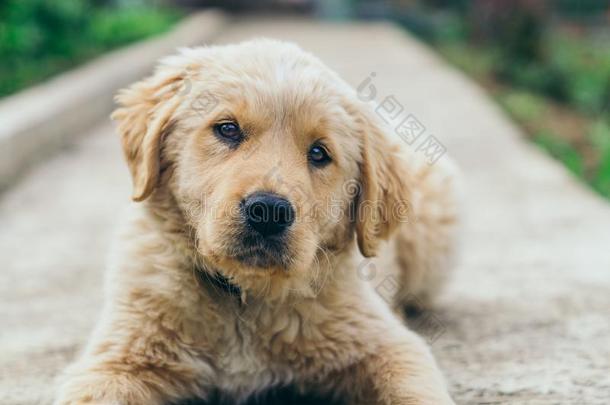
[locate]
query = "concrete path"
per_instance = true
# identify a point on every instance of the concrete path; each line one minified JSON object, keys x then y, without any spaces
{"x":526,"y":319}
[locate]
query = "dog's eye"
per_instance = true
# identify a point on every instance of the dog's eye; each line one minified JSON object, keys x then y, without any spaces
{"x":318,"y":155}
{"x":229,"y":131}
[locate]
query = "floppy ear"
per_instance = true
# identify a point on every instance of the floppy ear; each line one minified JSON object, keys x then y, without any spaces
{"x":144,"y":116}
{"x":383,"y":202}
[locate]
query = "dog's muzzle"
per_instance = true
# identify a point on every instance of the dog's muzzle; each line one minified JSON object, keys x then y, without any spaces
{"x":266,"y":218}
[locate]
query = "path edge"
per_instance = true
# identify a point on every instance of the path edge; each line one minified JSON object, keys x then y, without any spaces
{"x":41,"y":120}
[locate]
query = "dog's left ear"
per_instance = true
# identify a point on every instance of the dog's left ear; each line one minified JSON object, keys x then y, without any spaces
{"x":383,"y":201}
{"x":144,"y":115}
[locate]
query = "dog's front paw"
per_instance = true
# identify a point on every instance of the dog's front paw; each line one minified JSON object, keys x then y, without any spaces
{"x":107,"y":388}
{"x":83,"y":398}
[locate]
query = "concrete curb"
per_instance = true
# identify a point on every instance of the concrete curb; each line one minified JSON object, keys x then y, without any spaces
{"x":40,"y":120}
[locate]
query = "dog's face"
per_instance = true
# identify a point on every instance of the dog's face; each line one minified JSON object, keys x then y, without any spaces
{"x":268,"y":156}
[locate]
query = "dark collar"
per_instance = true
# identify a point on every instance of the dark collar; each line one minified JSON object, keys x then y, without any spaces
{"x":219,"y":283}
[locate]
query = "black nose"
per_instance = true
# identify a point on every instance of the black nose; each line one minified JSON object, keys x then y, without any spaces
{"x":268,"y":213}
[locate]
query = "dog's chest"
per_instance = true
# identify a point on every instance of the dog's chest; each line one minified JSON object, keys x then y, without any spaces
{"x":262,"y":347}
{"x":250,"y":350}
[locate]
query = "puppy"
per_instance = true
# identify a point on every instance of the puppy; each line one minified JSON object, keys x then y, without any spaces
{"x":261,"y":181}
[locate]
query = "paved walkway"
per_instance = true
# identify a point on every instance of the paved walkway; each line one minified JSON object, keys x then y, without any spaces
{"x":526,"y":318}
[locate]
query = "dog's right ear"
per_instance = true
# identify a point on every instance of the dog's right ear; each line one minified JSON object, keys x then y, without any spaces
{"x":144,"y":115}
{"x":384,"y":198}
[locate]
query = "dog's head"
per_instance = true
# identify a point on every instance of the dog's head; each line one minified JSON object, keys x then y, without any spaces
{"x":269,"y":156}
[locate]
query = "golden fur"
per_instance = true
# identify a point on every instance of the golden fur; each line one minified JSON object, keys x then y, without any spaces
{"x":311,"y":319}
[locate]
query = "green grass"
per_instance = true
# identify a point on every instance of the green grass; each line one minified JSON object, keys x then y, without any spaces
{"x":41,"y":38}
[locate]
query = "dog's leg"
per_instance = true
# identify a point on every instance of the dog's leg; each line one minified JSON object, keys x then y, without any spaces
{"x":131,"y":362}
{"x":402,"y":371}
{"x":393,"y":365}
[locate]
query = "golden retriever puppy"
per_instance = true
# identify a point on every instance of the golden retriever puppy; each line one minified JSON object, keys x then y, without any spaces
{"x":261,"y":181}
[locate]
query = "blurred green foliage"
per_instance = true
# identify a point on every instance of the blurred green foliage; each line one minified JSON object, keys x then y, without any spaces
{"x":39,"y":38}
{"x":544,"y":68}
{"x":584,"y":67}
{"x":573,"y":69}
{"x":562,"y":151}
{"x":525,"y":106}
{"x":581,"y":7}
{"x":599,"y":135}
{"x":470,"y":58}
{"x":530,"y":107}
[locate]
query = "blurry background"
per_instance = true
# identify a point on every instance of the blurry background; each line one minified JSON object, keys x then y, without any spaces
{"x":40,"y":38}
{"x":547,"y":62}
{"x":525,"y":318}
